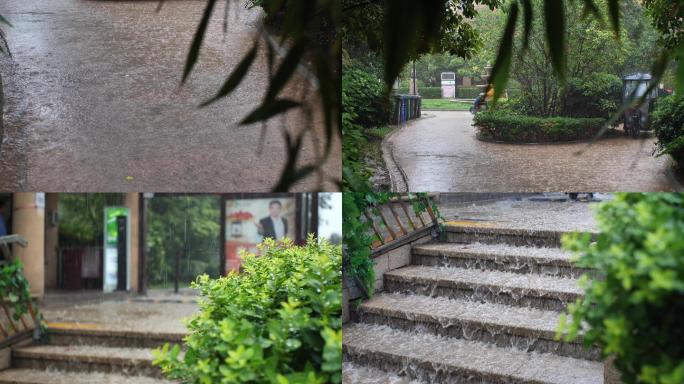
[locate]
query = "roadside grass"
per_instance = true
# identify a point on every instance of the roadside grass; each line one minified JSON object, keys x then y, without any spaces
{"x":444,"y":105}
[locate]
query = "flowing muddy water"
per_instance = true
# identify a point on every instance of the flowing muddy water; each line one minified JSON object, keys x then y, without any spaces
{"x":94,"y":103}
{"x":441,"y":153}
{"x":526,"y":214}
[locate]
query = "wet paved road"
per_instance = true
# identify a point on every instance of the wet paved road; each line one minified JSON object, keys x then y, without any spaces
{"x":441,"y":153}
{"x":93,"y":102}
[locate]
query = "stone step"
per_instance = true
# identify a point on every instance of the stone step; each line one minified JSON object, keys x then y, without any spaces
{"x":498,"y":235}
{"x":83,"y":335}
{"x":360,"y":374}
{"x":498,"y":257}
{"x":526,"y":329}
{"x":86,"y":358}
{"x":529,"y":290}
{"x":32,"y":376}
{"x":438,"y":359}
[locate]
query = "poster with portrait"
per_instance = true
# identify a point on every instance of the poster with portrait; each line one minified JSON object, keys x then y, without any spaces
{"x":249,"y":221}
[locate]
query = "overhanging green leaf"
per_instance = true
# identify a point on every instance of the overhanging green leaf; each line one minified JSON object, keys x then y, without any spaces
{"x":235,"y":77}
{"x":193,"y":53}
{"x":502,"y":65}
{"x":269,"y":109}
{"x":555,"y":34}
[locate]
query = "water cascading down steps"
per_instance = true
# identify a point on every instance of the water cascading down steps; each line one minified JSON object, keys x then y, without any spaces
{"x":480,"y":308}
{"x":76,"y":355}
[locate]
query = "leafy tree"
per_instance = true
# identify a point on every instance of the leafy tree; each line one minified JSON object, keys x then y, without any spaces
{"x":668,"y":18}
{"x":81,"y":217}
{"x":592,"y":50}
{"x":187,"y":227}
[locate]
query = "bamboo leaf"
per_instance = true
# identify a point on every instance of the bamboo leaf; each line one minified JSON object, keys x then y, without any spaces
{"x":528,"y":14}
{"x":193,"y":53}
{"x":614,"y":14}
{"x":235,"y":77}
{"x":502,"y":65}
{"x":286,"y":69}
{"x":5,"y":21}
{"x":555,"y":34}
{"x":269,"y":109}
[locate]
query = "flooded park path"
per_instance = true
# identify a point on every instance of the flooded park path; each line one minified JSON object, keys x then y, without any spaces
{"x":93,"y":101}
{"x":440,"y":152}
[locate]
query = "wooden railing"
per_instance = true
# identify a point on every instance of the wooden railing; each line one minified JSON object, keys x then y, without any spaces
{"x":13,"y":327}
{"x":397,"y":219}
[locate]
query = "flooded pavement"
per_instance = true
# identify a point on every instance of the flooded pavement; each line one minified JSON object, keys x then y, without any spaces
{"x":126,"y":315}
{"x":93,"y":101}
{"x":441,"y":153}
{"x":527,"y":213}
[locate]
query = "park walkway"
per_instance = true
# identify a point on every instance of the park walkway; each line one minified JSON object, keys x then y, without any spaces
{"x":440,"y":152}
{"x":93,"y":101}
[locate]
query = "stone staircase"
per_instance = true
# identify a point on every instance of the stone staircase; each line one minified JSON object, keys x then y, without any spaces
{"x":79,"y":354}
{"x":480,"y":308}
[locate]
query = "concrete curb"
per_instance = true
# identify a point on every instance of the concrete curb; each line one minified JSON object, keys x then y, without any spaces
{"x":397,"y":176}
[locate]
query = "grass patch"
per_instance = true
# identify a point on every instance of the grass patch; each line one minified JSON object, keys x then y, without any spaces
{"x":444,"y":105}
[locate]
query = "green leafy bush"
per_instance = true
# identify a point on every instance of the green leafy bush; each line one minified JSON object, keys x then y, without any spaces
{"x":364,"y":96}
{"x":278,"y":321}
{"x":635,"y":313}
{"x":598,"y":95}
{"x":668,"y":122}
{"x":501,"y":125}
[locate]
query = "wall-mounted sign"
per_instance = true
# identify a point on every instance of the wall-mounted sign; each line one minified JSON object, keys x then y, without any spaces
{"x":249,"y":221}
{"x":448,"y":85}
{"x":116,"y":248}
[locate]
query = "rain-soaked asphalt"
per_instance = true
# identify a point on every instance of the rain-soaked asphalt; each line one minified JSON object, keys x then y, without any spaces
{"x":94,"y":104}
{"x":441,"y":153}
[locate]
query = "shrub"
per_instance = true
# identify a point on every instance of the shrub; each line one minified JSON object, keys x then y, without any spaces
{"x":278,"y":321}
{"x":468,"y":92}
{"x":365,"y":96}
{"x":636,"y":312}
{"x":668,"y":122}
{"x":598,"y":95}
{"x":502,"y":125}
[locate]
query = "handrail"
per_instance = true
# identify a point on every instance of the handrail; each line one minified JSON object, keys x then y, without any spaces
{"x":394,"y":221}
{"x":6,"y":241}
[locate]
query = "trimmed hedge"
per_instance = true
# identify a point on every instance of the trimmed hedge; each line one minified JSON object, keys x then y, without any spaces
{"x":468,"y":92}
{"x":507,"y":127}
{"x":436,"y":92}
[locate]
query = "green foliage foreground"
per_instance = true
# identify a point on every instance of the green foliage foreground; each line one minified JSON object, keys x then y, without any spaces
{"x":668,"y":122}
{"x":278,"y":321}
{"x":635,"y":313}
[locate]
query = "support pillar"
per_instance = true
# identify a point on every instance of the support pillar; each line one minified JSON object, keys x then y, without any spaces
{"x":28,"y":220}
{"x":51,"y":240}
{"x":132,"y":202}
